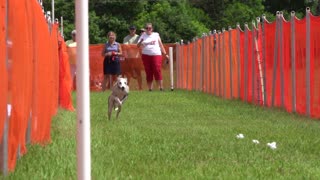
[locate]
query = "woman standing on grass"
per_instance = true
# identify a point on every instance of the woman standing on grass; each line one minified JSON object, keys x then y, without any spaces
{"x":111,"y":63}
{"x":152,"y":51}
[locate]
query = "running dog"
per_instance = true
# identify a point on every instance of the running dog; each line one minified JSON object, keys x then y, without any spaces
{"x":118,"y":96}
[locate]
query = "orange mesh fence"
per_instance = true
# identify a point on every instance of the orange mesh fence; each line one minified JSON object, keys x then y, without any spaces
{"x":131,"y":66}
{"x":226,"y":66}
{"x":256,"y":65}
{"x":235,"y":63}
{"x":207,"y":64}
{"x":3,"y":68}
{"x":270,"y":30}
{"x":315,"y":65}
{"x":249,"y":66}
{"x":287,"y":68}
{"x":300,"y":43}
{"x":218,"y":68}
{"x":65,"y":81}
{"x":20,"y":64}
{"x":198,"y":64}
{"x":32,"y":75}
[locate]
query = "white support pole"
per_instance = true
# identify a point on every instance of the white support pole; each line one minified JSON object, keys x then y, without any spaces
{"x":52,"y":12}
{"x":61,"y":24}
{"x":171,"y":67}
{"x":83,"y":98}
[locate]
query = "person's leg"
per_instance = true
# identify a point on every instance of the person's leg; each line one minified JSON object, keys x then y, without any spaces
{"x":157,"y":71}
{"x":148,"y":69}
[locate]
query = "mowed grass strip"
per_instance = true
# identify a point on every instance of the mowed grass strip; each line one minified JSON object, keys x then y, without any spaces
{"x":180,"y":135}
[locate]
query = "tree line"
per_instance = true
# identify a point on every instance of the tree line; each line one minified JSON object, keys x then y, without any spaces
{"x":173,"y":19}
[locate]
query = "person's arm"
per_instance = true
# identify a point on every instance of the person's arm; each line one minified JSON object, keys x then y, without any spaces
{"x":140,"y":40}
{"x":163,"y":50}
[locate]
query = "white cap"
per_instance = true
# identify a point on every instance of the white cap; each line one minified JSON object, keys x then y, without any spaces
{"x":74,"y":32}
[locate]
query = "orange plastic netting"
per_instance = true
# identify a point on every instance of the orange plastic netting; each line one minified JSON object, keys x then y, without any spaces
{"x":3,"y":68}
{"x":33,"y":71}
{"x":315,"y":65}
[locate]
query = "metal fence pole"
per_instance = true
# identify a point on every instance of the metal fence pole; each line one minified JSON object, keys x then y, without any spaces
{"x":210,"y":62}
{"x":238,"y":59}
{"x":253,"y":59}
{"x":281,"y":59}
{"x":224,"y":63}
{"x":177,"y":65}
{"x":215,"y":51}
{"x":308,"y":62}
{"x":230,"y":60}
{"x":264,"y":59}
{"x":246,"y":51}
{"x":182,"y":65}
{"x":187,"y":69}
{"x":219,"y":62}
{"x":202,"y":63}
{"x":194,"y":65}
{"x":293,"y":61}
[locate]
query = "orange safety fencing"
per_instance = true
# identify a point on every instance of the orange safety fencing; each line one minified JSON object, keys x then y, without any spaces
{"x":3,"y":71}
{"x":272,"y":64}
{"x":29,"y":75}
{"x":131,"y":65}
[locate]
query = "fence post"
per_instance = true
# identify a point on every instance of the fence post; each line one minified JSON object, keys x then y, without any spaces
{"x":281,"y":59}
{"x":215,"y":51}
{"x":238,"y":59}
{"x":219,"y":61}
{"x":253,"y":68}
{"x":202,"y":63}
{"x":246,"y":51}
{"x":264,"y":60}
{"x":194,"y":65}
{"x":275,"y":58}
{"x":293,"y":61}
{"x":187,"y":68}
{"x":171,"y":67}
{"x":210,"y":62}
{"x":177,"y":65}
{"x":308,"y":61}
{"x":230,"y":59}
{"x":224,"y":63}
{"x":181,"y":71}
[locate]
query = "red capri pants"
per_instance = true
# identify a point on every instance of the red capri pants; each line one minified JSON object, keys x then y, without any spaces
{"x":152,"y":67}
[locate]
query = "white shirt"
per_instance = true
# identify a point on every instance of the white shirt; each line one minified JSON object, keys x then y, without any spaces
{"x":150,"y":44}
{"x":131,"y":39}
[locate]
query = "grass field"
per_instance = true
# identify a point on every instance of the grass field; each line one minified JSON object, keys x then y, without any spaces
{"x":180,"y":135}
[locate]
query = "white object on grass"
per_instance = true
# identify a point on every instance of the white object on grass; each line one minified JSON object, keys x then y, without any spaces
{"x":255,"y":141}
{"x":272,"y":145}
{"x":240,"y":136}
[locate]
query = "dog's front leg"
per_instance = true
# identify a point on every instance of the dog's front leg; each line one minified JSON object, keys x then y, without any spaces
{"x":118,"y":112}
{"x":118,"y":101}
{"x":110,"y":106}
{"x":124,"y":99}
